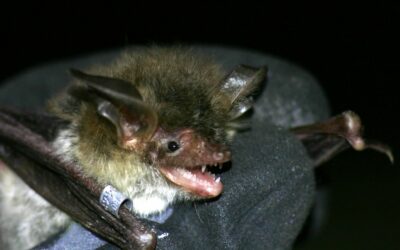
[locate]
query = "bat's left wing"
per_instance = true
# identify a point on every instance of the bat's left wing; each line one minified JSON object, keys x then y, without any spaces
{"x":323,"y":140}
{"x":26,"y":148}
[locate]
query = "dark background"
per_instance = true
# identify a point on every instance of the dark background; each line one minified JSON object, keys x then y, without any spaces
{"x":352,"y":50}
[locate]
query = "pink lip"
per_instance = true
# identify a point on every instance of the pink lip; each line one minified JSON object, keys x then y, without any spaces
{"x":194,"y":180}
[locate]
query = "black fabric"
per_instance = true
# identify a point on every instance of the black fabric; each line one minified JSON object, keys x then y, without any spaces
{"x":270,"y":187}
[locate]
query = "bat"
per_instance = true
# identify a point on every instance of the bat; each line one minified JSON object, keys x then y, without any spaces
{"x":154,"y":125}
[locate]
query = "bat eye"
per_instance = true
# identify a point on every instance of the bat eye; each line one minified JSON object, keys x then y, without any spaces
{"x":173,"y":146}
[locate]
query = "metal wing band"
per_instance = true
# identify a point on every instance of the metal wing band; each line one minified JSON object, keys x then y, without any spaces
{"x":112,"y":200}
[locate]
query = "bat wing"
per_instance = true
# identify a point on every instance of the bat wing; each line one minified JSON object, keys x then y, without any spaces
{"x":25,"y":147}
{"x":325,"y":139}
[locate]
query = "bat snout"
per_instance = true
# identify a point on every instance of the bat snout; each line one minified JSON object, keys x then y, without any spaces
{"x":222,"y":156}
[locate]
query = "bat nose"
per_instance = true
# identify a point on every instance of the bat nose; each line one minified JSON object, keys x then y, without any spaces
{"x":222,"y":156}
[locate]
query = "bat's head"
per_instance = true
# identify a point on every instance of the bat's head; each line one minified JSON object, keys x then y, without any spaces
{"x":174,"y":122}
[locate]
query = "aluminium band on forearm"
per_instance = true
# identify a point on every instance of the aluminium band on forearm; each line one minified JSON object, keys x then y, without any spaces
{"x":111,"y":199}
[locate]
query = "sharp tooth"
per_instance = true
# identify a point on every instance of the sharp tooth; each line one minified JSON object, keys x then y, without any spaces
{"x":203,"y":168}
{"x":218,"y":179}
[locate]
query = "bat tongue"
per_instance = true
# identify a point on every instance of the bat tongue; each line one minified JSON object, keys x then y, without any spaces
{"x":194,"y":180}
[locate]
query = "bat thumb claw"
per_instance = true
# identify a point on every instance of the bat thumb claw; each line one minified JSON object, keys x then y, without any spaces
{"x":382,"y":148}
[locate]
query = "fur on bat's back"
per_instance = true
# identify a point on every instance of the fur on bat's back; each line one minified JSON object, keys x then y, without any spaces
{"x":177,"y":82}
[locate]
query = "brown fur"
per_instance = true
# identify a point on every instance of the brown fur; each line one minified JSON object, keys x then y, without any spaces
{"x":178,"y":84}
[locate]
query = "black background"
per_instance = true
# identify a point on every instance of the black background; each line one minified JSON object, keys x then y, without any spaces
{"x":352,"y":50}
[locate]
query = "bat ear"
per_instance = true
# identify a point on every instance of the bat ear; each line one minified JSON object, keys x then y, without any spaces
{"x":239,"y":85}
{"x":119,"y":102}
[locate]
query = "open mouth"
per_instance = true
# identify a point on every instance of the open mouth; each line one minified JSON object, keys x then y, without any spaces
{"x":201,"y":180}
